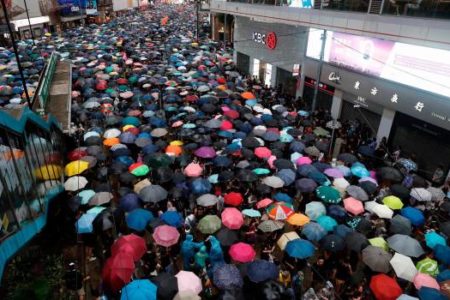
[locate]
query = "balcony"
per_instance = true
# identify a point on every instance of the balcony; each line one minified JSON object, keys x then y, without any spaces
{"x":350,"y":19}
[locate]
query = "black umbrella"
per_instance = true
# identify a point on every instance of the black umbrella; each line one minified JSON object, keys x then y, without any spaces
{"x":227,"y":237}
{"x":356,"y":241}
{"x":368,"y":186}
{"x":333,"y":243}
{"x":445,"y":228}
{"x":263,"y":189}
{"x":128,"y":178}
{"x":284,"y":164}
{"x":222,"y":161}
{"x":419,"y":181}
{"x":164,"y":174}
{"x":400,"y":225}
{"x":250,"y":142}
{"x":247,"y":175}
{"x":167,"y":286}
{"x":390,"y":173}
{"x":364,"y":226}
{"x":347,"y":158}
{"x":400,"y":191}
{"x":226,"y":175}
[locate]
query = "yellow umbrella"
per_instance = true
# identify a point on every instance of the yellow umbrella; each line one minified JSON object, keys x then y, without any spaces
{"x":286,"y":238}
{"x":393,"y":202}
{"x":76,"y":167}
{"x":379,"y":242}
{"x":48,"y":172}
{"x":126,"y":127}
{"x":176,"y":143}
{"x":298,"y":219}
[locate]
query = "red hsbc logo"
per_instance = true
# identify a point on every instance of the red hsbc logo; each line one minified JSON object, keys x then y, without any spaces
{"x":269,"y":39}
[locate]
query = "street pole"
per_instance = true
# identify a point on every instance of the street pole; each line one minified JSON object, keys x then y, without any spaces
{"x":197,"y":13}
{"x":319,"y":72}
{"x":19,"y":65}
{"x":29,"y":22}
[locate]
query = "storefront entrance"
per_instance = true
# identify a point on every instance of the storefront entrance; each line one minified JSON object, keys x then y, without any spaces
{"x":364,"y":116}
{"x":262,"y":71}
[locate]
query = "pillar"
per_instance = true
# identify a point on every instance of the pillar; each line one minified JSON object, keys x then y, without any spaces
{"x":336,"y":106}
{"x":387,"y":119}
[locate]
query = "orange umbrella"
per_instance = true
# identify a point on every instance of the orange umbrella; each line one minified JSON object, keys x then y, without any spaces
{"x":298,"y":219}
{"x":111,"y":142}
{"x":248,"y":95}
{"x":221,"y":87}
{"x":174,"y":150}
{"x":164,"y":20}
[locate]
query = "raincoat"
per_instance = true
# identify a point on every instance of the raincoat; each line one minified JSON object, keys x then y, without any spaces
{"x":188,"y":249}
{"x":215,"y":253}
{"x":201,"y":257}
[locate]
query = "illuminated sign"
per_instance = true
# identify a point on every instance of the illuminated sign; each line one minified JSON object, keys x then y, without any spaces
{"x":268,"y":39}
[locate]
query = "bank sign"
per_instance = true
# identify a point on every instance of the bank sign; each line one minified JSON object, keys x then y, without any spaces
{"x":268,"y":39}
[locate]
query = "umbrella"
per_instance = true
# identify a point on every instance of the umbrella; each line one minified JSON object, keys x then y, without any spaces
{"x":232,"y":218}
{"x":84,"y":223}
{"x":101,"y":198}
{"x":428,"y":293}
{"x":252,"y":213}
{"x":433,"y":238}
{"x":353,"y":206}
{"x":207,"y":200}
{"x":166,"y":236}
{"x":400,"y":224}
{"x":227,"y":237}
{"x":286,"y":238}
{"x":334,"y":173}
{"x":189,"y":282}
{"x":172,"y":218}
{"x":298,"y":219}
{"x":385,"y":287}
{"x":306,"y":185}
{"x":130,"y":244}
{"x":201,"y":186}
{"x":379,"y":242}
{"x":205,"y":152}
{"x":377,"y":259}
{"x":405,"y":244}
{"x":262,"y":152}
{"x":153,"y":193}
{"x":264,"y":203}
{"x":227,"y":277}
{"x":117,"y":271}
{"x":315,"y":209}
{"x":393,"y":202}
{"x":138,"y":219}
{"x":425,"y":280}
{"x":428,"y":266}
{"x":347,"y":158}
{"x":357,"y":193}
{"x":242,"y":252}
{"x":414,"y":215}
{"x":270,"y":226}
{"x":76,"y":167}
{"x":390,"y":173}
{"x":328,"y":194}
{"x":262,"y":270}
{"x":193,"y":170}
{"x":279,"y":211}
{"x":403,"y":266}
{"x":139,"y":289}
{"x":380,"y":210}
{"x":209,"y":224}
{"x":327,"y":223}
{"x":356,"y":241}
{"x":75,"y":183}
{"x":421,"y":194}
{"x":167,"y":286}
{"x":287,"y":176}
{"x":400,"y":191}
{"x":273,"y":181}
{"x":313,"y":231}
{"x":333,"y":243}
{"x":299,"y":248}
{"x":85,"y":196}
{"x":233,"y":198}
{"x":436,"y":193}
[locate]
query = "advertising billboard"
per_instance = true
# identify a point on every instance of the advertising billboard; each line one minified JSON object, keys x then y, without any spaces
{"x":69,"y":8}
{"x":420,"y":67}
{"x":301,"y":3}
{"x":90,"y":6}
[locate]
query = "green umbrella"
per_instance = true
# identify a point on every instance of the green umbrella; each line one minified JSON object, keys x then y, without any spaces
{"x":109,"y":69}
{"x":209,"y":224}
{"x":158,"y":161}
{"x":133,"y":79}
{"x":319,"y":131}
{"x":428,"y":266}
{"x":140,"y":170}
{"x":123,"y":88}
{"x":261,"y":171}
{"x":328,"y":194}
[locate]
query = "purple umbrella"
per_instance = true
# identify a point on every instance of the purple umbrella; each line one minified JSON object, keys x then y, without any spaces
{"x":335,"y":173}
{"x":205,"y":152}
{"x":306,"y":185}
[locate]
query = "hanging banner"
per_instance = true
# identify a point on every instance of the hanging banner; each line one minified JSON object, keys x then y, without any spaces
{"x":90,"y":6}
{"x":69,"y":8}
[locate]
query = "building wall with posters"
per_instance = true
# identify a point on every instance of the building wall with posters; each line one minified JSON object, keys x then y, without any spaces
{"x":279,"y":45}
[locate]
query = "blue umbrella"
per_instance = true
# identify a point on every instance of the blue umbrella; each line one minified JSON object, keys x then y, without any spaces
{"x":223,"y":161}
{"x":300,"y":249}
{"x":306,"y":185}
{"x":138,"y":219}
{"x":433,"y":238}
{"x":297,"y":146}
{"x":342,"y":230}
{"x":200,"y":186}
{"x":319,"y":178}
{"x":139,"y":289}
{"x":283,"y":197}
{"x":443,"y":276}
{"x":336,"y":211}
{"x":127,"y":137}
{"x":85,"y":196}
{"x":359,"y":170}
{"x":84,"y":223}
{"x":227,"y":276}
{"x":313,"y":231}
{"x":172,"y":218}
{"x":287,"y":175}
{"x":252,"y":213}
{"x":327,"y":223}
{"x":126,"y":160}
{"x":304,"y":170}
{"x":442,"y":253}
{"x":414,"y":215}
{"x":427,"y":293}
{"x":262,"y":270}
{"x":150,"y":148}
{"x":131,"y":121}
{"x":129,"y":202}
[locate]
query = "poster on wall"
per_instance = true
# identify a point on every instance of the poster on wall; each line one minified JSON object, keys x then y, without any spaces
{"x":69,"y":8}
{"x":90,"y":6}
{"x":301,"y":3}
{"x":416,"y":66}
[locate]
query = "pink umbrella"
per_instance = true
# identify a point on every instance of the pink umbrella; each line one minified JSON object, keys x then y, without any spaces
{"x":193,"y":170}
{"x":232,"y":218}
{"x":368,"y":179}
{"x":242,"y":252}
{"x":263,"y":152}
{"x":226,"y":125}
{"x":189,"y":282}
{"x":304,"y":160}
{"x":353,"y":206}
{"x":205,"y":152}
{"x":271,"y":160}
{"x":426,"y":280}
{"x":166,"y":235}
{"x":264,"y":203}
{"x":335,"y":173}
{"x":177,"y":124}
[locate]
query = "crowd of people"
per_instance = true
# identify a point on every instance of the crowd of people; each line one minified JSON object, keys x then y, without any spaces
{"x":188,"y":180}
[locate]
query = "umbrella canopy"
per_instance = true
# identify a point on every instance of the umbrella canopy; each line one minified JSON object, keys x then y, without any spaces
{"x":209,"y":224}
{"x":313,"y":231}
{"x":75,"y":183}
{"x":138,"y":219}
{"x":233,"y":198}
{"x":130,"y":244}
{"x":227,"y":277}
{"x":353,"y":206}
{"x":315,"y":209}
{"x":227,"y":237}
{"x":232,"y":218}
{"x":403,"y":266}
{"x":425,"y":280}
{"x":393,"y":202}
{"x":270,"y":226}
{"x":279,"y":211}
{"x":84,"y":223}
{"x":140,"y":289}
{"x":166,"y":236}
{"x":117,"y":271}
{"x":298,"y":219}
{"x":299,"y":248}
{"x":207,"y":200}
{"x":273,"y":181}
{"x":421,"y":194}
{"x":286,"y":238}
{"x":153,"y":193}
{"x":405,"y":245}
{"x":385,"y":287}
{"x":414,"y":215}
{"x":433,"y":238}
{"x":76,"y":167}
{"x":333,"y":243}
{"x":377,"y":259}
{"x":306,"y":185}
{"x":242,"y":252}
{"x":193,"y":170}
{"x":328,"y":194}
{"x":357,"y":193}
{"x":428,"y":266}
{"x":167,"y":286}
{"x":189,"y":282}
{"x":261,"y":270}
{"x":205,"y":152}
{"x":356,"y":241}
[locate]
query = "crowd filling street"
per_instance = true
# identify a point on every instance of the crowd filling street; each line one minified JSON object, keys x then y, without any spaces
{"x":186,"y":179}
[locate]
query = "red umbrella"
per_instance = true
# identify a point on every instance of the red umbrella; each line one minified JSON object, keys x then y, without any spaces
{"x":122,"y":81}
{"x":263,"y":152}
{"x":133,"y":130}
{"x":101,"y":85}
{"x":385,"y":287}
{"x":233,"y":198}
{"x":191,"y":98}
{"x":226,"y":125}
{"x":166,"y":235}
{"x":76,"y":154}
{"x":232,"y":218}
{"x":242,"y":252}
{"x":130,"y":244}
{"x":232,"y":114}
{"x":264,"y":203}
{"x":117,"y":271}
{"x":221,"y":80}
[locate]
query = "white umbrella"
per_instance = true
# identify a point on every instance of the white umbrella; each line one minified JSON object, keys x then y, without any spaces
{"x":436,"y":193}
{"x":341,"y":184}
{"x":203,"y":88}
{"x":273,"y":181}
{"x":380,"y":210}
{"x":403,"y":267}
{"x":75,"y":183}
{"x":111,"y":133}
{"x":159,"y":132}
{"x":421,"y":194}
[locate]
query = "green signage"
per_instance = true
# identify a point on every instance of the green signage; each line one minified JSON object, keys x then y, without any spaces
{"x":44,"y":90}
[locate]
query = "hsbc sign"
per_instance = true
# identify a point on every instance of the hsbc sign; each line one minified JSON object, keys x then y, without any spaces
{"x":269,"y":39}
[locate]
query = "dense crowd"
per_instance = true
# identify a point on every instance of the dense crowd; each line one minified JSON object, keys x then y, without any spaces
{"x":189,"y":180}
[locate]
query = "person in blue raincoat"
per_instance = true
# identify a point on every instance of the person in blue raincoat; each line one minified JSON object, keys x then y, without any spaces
{"x":201,"y":257}
{"x":215,"y":253}
{"x":188,"y":249}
